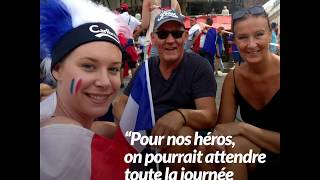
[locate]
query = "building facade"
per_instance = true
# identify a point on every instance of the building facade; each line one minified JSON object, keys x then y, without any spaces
{"x":190,"y":7}
{"x":249,"y":3}
{"x":272,"y":7}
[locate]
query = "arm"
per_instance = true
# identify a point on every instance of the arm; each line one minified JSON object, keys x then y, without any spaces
{"x":137,"y":27}
{"x":178,"y":9}
{"x":118,"y":107}
{"x":263,"y":138}
{"x":137,"y":32}
{"x":145,"y":14}
{"x":217,"y":50}
{"x":228,"y":106}
{"x":266,"y":139}
{"x":204,"y":116}
{"x":204,"y":88}
{"x":103,"y":128}
{"x":45,"y":90}
{"x":223,"y":49}
{"x":203,"y":25}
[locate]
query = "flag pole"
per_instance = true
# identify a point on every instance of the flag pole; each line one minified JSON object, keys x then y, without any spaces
{"x":151,"y":102}
{"x":157,"y":164}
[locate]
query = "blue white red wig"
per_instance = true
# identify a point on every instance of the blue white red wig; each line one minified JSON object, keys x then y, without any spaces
{"x":67,"y":24}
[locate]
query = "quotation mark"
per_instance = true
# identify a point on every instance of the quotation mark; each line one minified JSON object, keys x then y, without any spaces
{"x":128,"y":133}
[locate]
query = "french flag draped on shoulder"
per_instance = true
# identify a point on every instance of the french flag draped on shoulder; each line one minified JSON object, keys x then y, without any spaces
{"x":138,"y":115}
{"x":71,"y":152}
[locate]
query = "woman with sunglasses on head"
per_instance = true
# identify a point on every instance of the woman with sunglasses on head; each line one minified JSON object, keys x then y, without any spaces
{"x":254,"y":87}
{"x":80,"y":37}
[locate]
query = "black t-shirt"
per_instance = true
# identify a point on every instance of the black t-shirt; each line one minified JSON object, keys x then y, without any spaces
{"x":192,"y":79}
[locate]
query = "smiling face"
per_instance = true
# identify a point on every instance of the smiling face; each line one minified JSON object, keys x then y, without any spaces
{"x":170,"y":49}
{"x":88,"y":79}
{"x":252,"y":36}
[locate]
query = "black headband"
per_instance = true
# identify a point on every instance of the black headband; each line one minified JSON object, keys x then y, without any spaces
{"x":80,"y":35}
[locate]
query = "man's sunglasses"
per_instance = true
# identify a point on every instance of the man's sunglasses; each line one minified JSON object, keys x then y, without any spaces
{"x":255,"y":10}
{"x":165,"y":34}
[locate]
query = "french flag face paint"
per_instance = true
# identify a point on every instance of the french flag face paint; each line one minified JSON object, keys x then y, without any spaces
{"x":75,"y":86}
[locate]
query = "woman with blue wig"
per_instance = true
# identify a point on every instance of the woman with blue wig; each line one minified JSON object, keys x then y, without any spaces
{"x":81,"y":44}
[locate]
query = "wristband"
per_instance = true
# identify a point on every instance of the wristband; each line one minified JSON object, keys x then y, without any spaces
{"x":184,"y":118}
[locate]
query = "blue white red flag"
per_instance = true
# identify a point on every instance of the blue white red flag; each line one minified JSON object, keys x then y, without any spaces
{"x":138,"y":115}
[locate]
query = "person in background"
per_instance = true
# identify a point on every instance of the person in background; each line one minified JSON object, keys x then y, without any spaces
{"x":234,"y":51}
{"x":133,"y":23}
{"x":274,"y":38}
{"x":200,"y":39}
{"x":213,"y":11}
{"x":225,"y":11}
{"x":141,"y":46}
{"x":209,"y":49}
{"x":193,"y":32}
{"x":128,"y":44}
{"x":220,"y":50}
{"x":255,"y":88}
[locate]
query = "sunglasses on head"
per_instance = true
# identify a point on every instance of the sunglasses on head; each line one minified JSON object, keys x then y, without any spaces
{"x":164,"y":34}
{"x":255,"y":10}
